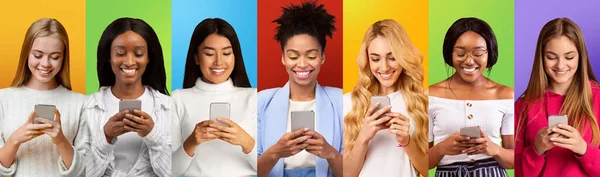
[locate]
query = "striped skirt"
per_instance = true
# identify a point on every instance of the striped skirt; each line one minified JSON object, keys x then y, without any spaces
{"x":480,"y":168}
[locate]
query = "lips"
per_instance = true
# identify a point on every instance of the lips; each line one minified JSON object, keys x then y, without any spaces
{"x":44,"y":73}
{"x":469,"y":70}
{"x":129,"y":71}
{"x":560,"y":72}
{"x":303,"y":74}
{"x":386,"y":76}
{"x":217,"y":71}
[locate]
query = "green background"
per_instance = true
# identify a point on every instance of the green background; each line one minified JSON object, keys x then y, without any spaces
{"x":498,"y":14}
{"x":99,"y":14}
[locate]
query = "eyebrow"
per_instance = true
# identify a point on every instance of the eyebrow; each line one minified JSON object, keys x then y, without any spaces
{"x":136,"y":47}
{"x":295,"y":51}
{"x":43,"y":52}
{"x":375,"y":54}
{"x":550,"y":52}
{"x":212,"y":48}
{"x":462,"y":47}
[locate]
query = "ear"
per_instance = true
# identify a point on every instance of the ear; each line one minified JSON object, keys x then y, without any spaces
{"x":282,"y":60}
{"x":323,"y":59}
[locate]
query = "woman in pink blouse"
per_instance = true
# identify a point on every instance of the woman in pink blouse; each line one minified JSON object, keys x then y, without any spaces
{"x":561,"y":82}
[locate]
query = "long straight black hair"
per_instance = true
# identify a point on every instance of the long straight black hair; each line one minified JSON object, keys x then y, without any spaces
{"x":204,"y":29}
{"x":154,"y":76}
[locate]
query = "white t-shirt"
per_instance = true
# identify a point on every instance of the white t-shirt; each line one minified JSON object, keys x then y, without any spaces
{"x":303,"y":159}
{"x":129,"y":144}
{"x":447,"y":116}
{"x":384,"y":157}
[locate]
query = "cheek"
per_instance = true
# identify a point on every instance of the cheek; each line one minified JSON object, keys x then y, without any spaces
{"x":231,"y":61}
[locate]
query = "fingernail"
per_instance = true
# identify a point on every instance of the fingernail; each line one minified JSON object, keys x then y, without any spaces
{"x":305,"y":129}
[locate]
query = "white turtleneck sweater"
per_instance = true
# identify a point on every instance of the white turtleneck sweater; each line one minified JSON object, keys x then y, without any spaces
{"x":39,"y":156}
{"x":216,"y":157}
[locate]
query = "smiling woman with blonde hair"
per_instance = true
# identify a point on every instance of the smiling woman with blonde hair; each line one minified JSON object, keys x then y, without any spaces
{"x":389,"y":65}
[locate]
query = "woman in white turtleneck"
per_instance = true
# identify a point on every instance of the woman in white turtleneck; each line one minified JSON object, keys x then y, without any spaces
{"x":214,"y":72}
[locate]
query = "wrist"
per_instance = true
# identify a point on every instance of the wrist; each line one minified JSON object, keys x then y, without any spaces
{"x":60,"y":139}
{"x":248,"y":146}
{"x":12,"y":143}
{"x":538,"y":151}
{"x":271,"y":155}
{"x":582,"y":149}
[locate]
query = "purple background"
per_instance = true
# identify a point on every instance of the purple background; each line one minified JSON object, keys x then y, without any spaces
{"x":530,"y":17}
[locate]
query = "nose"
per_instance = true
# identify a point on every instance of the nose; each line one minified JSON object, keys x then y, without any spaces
{"x":302,"y":62}
{"x":130,"y":60}
{"x":218,"y":60}
{"x":470,"y":59}
{"x":385,"y":66}
{"x":45,"y":62}
{"x":561,"y":63}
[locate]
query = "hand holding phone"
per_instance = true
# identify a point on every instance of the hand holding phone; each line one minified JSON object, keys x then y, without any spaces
{"x":557,"y":119}
{"x":471,"y":132}
{"x":130,"y":105}
{"x":44,"y":111}
{"x":220,"y":110}
{"x":383,"y":102}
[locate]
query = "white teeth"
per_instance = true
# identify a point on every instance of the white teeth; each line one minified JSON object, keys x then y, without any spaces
{"x":303,"y":73}
{"x":561,"y":72}
{"x":217,"y":70}
{"x":44,"y":71}
{"x":469,"y":69}
{"x":385,"y":75}
{"x":128,"y":71}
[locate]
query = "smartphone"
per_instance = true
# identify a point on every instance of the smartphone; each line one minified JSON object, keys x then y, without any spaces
{"x":557,"y":119}
{"x":472,"y":132}
{"x":219,"y":110}
{"x":130,"y":105}
{"x":303,"y":119}
{"x":383,"y":102}
{"x":45,"y":111}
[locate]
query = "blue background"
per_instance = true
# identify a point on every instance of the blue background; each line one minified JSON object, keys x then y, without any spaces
{"x":242,"y":15}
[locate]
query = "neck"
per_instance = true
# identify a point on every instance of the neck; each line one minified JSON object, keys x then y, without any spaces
{"x":127,"y":91}
{"x":387,"y":90}
{"x":302,"y":92}
{"x":41,"y":86}
{"x":559,"y":88}
{"x":479,"y":82}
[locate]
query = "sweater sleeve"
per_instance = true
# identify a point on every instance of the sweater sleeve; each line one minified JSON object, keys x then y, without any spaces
{"x":159,"y":144}
{"x":79,"y":147}
{"x":181,"y":161}
{"x":527,"y":161}
{"x":590,"y":161}
{"x":13,"y":167}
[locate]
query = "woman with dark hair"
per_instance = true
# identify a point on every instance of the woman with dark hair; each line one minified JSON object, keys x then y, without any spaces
{"x":468,"y":99}
{"x":284,"y":151}
{"x":130,"y":67}
{"x":214,"y":74}
{"x":42,"y":78}
{"x":562,"y":82}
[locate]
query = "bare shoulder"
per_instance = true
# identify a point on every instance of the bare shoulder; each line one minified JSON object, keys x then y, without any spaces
{"x":438,"y":89}
{"x":504,"y":92}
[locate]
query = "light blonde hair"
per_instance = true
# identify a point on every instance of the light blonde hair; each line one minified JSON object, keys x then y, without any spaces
{"x":410,"y":83}
{"x":578,"y":100}
{"x":42,"y":28}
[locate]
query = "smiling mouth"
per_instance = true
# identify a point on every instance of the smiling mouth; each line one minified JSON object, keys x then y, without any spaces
{"x":560,"y":72}
{"x":470,"y":69}
{"x":44,"y":72}
{"x":303,"y":74}
{"x":386,"y":75}
{"x":129,"y":71}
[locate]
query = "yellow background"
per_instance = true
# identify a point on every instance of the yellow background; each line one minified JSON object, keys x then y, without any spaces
{"x":359,"y":15}
{"x":19,"y":15}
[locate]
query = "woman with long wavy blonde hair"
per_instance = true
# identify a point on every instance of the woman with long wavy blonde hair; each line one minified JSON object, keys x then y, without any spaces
{"x":562,"y":82}
{"x":389,"y":65}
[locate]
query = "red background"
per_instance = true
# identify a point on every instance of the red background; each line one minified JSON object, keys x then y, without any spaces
{"x":271,"y":73}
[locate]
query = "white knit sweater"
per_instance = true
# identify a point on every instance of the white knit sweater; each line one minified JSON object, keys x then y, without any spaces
{"x":40,"y":157}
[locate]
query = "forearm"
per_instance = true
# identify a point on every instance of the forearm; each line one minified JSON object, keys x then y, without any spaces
{"x":506,"y":158}
{"x":416,"y":157}
{"x":435,"y":156}
{"x":267,"y":161}
{"x":336,"y":164}
{"x":8,"y":153}
{"x":189,"y":147}
{"x":65,"y":149}
{"x":355,"y":158}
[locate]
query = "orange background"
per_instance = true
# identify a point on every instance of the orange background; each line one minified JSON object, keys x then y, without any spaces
{"x":19,"y":15}
{"x":359,"y":15}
